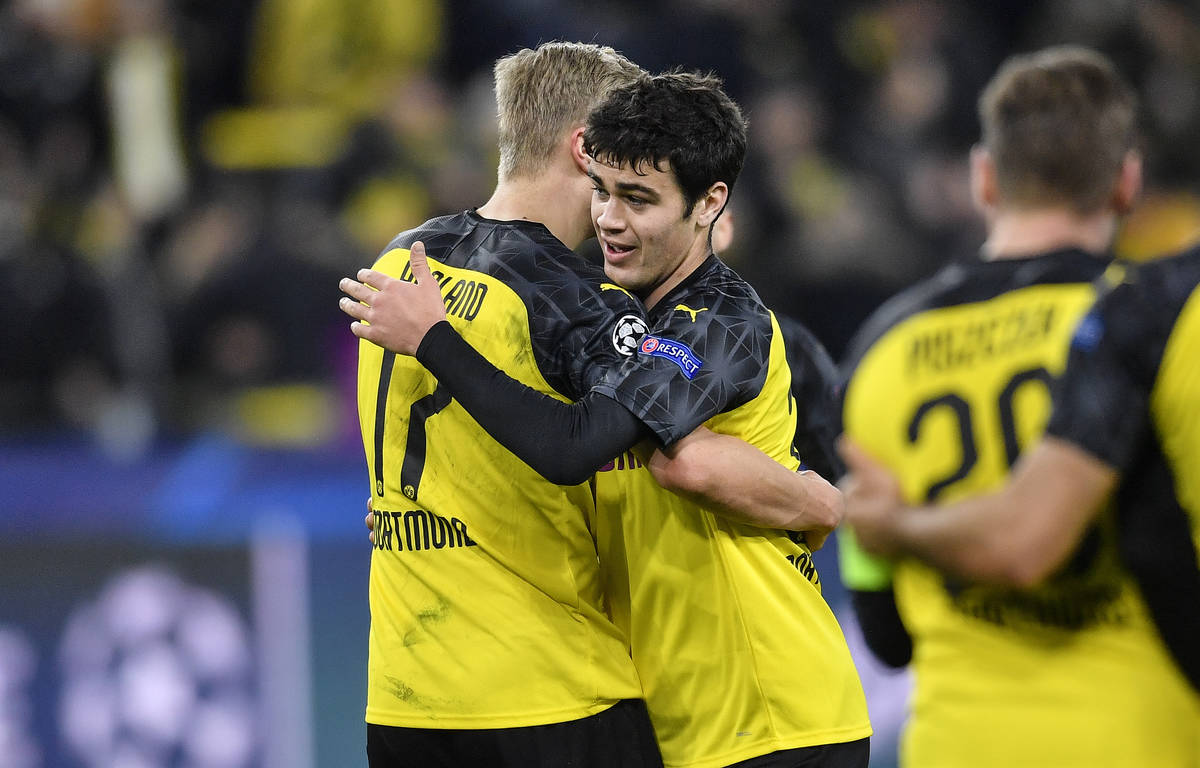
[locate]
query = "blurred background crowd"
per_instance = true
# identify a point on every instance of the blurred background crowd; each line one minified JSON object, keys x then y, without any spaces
{"x":182,"y":183}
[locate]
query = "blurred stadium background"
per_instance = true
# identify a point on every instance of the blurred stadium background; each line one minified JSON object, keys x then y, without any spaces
{"x":182,"y":182}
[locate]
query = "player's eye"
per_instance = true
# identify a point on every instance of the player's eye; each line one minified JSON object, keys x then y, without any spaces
{"x":600,"y":192}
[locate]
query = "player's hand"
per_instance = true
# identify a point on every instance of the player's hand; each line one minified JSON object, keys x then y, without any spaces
{"x":370,"y":520}
{"x":393,"y":313}
{"x":874,"y":504}
{"x":815,"y":539}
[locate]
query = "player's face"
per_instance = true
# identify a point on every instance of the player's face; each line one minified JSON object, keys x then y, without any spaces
{"x":648,"y":244}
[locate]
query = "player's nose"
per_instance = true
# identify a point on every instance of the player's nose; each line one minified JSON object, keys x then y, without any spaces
{"x":607,"y":217}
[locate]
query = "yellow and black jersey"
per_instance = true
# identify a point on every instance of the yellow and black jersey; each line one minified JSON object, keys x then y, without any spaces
{"x":738,"y":653}
{"x":814,"y":387}
{"x":1131,"y":397}
{"x":946,"y":384}
{"x":486,"y":606}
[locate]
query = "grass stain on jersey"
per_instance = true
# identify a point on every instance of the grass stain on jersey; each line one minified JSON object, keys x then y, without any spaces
{"x":436,"y":614}
{"x":403,"y":692}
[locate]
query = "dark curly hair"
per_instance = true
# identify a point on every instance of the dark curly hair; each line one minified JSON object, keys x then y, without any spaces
{"x":683,"y":118}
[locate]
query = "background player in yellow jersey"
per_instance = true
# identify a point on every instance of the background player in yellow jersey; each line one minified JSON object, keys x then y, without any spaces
{"x":1125,"y":428}
{"x":741,"y":660}
{"x":946,"y":384}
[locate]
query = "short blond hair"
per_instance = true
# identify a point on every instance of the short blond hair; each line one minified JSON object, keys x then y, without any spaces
{"x":542,"y":92}
{"x":1058,"y":124}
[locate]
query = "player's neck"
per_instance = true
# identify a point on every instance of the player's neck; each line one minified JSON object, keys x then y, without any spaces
{"x":557,"y":201}
{"x":1022,"y":233}
{"x":695,"y":257}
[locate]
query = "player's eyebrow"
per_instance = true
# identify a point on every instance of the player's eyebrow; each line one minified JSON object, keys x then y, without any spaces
{"x":625,"y":187}
{"x":629,"y":186}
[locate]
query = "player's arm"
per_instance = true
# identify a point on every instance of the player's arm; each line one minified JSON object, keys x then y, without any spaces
{"x":697,"y":467}
{"x":814,"y":379}
{"x":869,"y":580}
{"x":1102,"y":403}
{"x":566,"y":443}
{"x":1017,"y":536}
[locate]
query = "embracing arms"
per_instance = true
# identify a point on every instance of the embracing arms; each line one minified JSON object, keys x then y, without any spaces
{"x":565,"y":442}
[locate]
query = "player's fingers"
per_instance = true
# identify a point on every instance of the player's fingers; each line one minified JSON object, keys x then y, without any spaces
{"x":419,"y":264}
{"x":355,"y":309}
{"x":855,"y":457}
{"x":370,"y":521}
{"x":867,"y":476}
{"x":373,"y":280}
{"x":355,"y":289}
{"x":815,"y":539}
{"x":364,"y":331}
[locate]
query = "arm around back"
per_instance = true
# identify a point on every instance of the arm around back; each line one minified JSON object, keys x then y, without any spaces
{"x":740,"y":482}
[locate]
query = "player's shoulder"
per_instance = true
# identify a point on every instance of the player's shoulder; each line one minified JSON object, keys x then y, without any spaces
{"x":712,"y":321}
{"x":468,"y":235}
{"x":523,"y":254}
{"x":438,"y":234}
{"x":971,"y":280}
{"x":1160,"y":284}
{"x":719,"y":278}
{"x":713,"y":294}
{"x":1139,"y":304}
{"x":799,"y":337}
{"x":804,"y":350}
{"x":919,"y":297}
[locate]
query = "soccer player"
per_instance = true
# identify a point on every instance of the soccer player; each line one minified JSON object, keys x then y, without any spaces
{"x":946,"y":384}
{"x":740,"y":658}
{"x":1125,"y":428}
{"x":489,"y":641}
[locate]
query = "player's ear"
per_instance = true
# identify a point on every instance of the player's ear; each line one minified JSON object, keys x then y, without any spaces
{"x":710,"y":204}
{"x":984,"y":191}
{"x":1129,"y":183}
{"x":577,"y":154}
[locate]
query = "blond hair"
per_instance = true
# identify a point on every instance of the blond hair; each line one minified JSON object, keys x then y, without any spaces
{"x":1058,"y":124}
{"x":543,"y":92}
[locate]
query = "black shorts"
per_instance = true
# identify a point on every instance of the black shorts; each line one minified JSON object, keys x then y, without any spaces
{"x":619,"y":737}
{"x":852,"y":754}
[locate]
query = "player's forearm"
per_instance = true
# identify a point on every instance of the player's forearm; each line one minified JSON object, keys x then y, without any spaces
{"x":563,"y":442}
{"x":740,"y":482}
{"x":966,"y":541}
{"x":1023,"y":533}
{"x":882,"y":628}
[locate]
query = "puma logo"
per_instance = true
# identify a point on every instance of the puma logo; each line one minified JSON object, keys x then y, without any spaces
{"x":690,"y":311}
{"x":611,"y":287}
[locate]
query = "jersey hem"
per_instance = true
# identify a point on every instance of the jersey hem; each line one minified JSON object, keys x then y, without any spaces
{"x":758,"y":749}
{"x":376,"y":716}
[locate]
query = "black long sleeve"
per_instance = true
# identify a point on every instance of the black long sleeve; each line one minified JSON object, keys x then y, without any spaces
{"x":882,"y":628}
{"x":814,"y":381}
{"x":1156,"y":544}
{"x":563,"y":442}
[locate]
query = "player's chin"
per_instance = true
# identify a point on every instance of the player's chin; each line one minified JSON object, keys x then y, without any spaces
{"x":624,"y":274}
